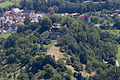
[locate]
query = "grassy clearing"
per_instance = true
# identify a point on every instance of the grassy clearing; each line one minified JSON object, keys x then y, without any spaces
{"x":5,"y":4}
{"x":55,"y":51}
{"x":5,"y":35}
{"x":115,"y":32}
{"x":118,"y":55}
{"x":97,"y":25}
{"x":51,"y":44}
{"x":9,"y":3}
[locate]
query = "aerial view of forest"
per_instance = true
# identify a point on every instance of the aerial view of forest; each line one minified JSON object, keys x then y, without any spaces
{"x":59,"y":39}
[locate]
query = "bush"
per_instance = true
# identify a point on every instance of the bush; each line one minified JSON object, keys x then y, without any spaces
{"x":78,"y":66}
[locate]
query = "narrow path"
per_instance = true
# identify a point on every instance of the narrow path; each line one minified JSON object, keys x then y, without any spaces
{"x":117,"y":63}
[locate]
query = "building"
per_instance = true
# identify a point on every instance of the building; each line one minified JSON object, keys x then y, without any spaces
{"x":10,"y":29}
{"x":2,"y":20}
{"x":15,"y":11}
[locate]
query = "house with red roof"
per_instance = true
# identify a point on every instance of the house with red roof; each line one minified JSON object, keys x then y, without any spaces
{"x":36,"y":17}
{"x":2,"y":20}
{"x":81,"y":17}
{"x":15,"y":11}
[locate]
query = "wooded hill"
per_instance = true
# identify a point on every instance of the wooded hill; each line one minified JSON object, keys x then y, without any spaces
{"x":24,"y":53}
{"x":70,"y":6}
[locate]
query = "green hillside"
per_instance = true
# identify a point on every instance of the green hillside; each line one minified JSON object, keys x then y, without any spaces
{"x":9,"y":3}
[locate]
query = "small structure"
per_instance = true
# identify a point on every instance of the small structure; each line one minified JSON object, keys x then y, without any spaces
{"x":74,"y":14}
{"x":55,"y":31}
{"x":117,"y":11}
{"x":36,"y":17}
{"x":2,"y":20}
{"x":87,"y":1}
{"x":55,"y":35}
{"x":81,"y":17}
{"x":28,"y":12}
{"x":104,"y":61}
{"x":64,"y":14}
{"x":10,"y":29}
{"x":15,"y":11}
{"x":56,"y":25}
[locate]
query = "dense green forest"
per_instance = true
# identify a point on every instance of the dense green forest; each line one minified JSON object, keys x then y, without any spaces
{"x":70,"y":6}
{"x":90,"y":52}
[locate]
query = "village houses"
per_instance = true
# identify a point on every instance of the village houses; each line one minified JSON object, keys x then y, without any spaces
{"x":14,"y":16}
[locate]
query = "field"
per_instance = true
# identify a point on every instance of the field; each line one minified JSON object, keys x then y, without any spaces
{"x":6,"y":3}
{"x":116,"y":33}
{"x":5,"y":35}
{"x":9,"y":3}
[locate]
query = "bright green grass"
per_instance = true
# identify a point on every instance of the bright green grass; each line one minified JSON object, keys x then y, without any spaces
{"x":16,"y":2}
{"x":118,"y":55}
{"x":5,"y":35}
{"x":6,"y":3}
{"x":97,"y":25}
{"x":115,"y":32}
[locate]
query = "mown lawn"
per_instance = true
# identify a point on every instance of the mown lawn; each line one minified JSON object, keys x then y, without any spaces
{"x":6,"y":3}
{"x":5,"y":35}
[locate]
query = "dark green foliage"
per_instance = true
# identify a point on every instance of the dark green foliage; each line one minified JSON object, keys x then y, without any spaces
{"x":0,"y":59}
{"x":11,"y":41}
{"x":67,"y":77}
{"x":11,"y":58}
{"x":78,"y":66}
{"x":95,"y":19}
{"x":61,"y":65}
{"x":87,"y":42}
{"x":56,"y":18}
{"x":78,"y":76}
{"x":70,"y":6}
{"x":50,"y":72}
{"x":67,"y":21}
{"x":23,"y":76}
{"x":27,"y":21}
{"x":25,"y":59}
{"x":109,"y":74}
{"x":57,"y":77}
{"x":83,"y":58}
{"x":46,"y":23}
{"x":95,"y":65}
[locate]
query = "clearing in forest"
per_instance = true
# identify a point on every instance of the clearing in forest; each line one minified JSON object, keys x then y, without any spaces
{"x":54,"y":50}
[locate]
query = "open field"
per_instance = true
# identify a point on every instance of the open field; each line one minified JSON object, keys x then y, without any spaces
{"x":9,"y":3}
{"x":53,"y":50}
{"x":118,"y":55}
{"x":5,"y":4}
{"x":5,"y":35}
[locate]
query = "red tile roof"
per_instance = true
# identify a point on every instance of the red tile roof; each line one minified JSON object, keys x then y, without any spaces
{"x":2,"y":18}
